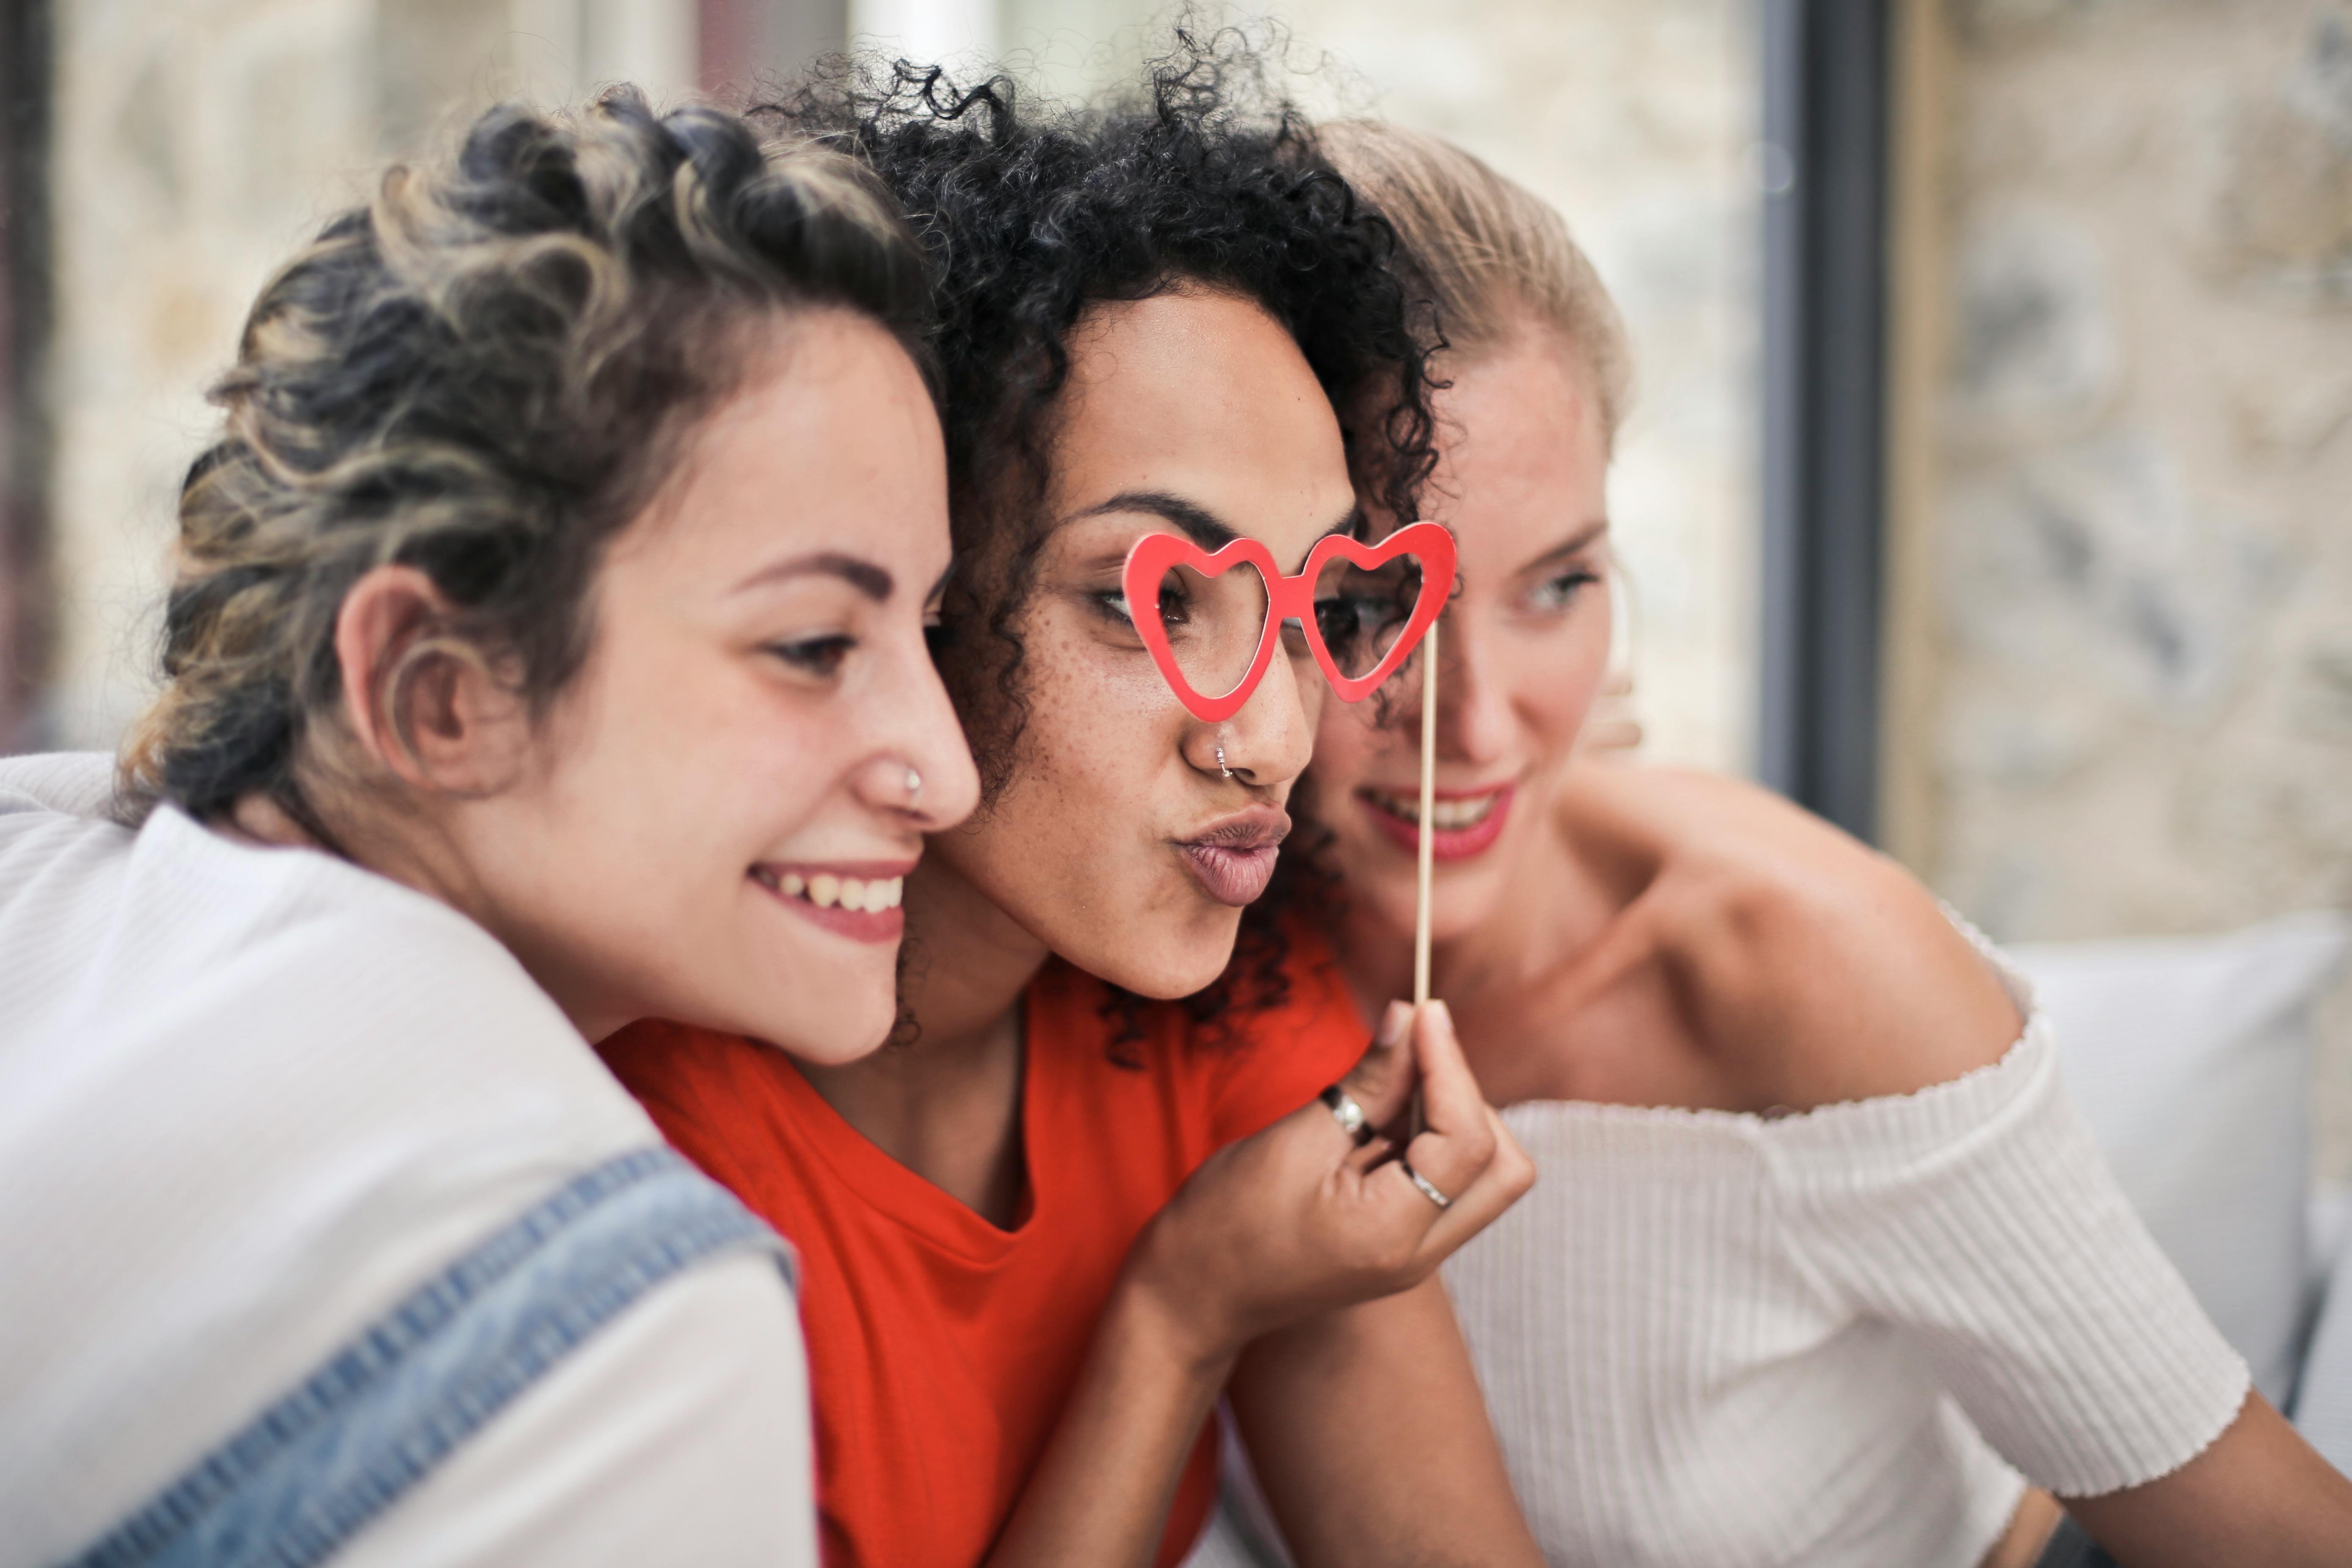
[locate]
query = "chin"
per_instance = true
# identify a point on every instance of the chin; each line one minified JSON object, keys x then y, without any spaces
{"x":823,"y":1014}
{"x":1172,"y":960}
{"x":832,"y":1040}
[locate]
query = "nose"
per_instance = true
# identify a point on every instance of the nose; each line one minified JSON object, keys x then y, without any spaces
{"x":920,"y":766}
{"x":1474,"y":709}
{"x":1270,"y":740}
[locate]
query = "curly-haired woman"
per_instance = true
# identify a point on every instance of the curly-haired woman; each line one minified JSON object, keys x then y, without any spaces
{"x":553,"y":600}
{"x":1826,"y":1270}
{"x":1044,"y":1232}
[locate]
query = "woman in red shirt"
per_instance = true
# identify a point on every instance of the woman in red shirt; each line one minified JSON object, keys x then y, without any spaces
{"x":1042,"y":1233}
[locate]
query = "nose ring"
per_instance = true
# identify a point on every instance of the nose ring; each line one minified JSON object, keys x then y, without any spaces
{"x":1221,"y":763}
{"x":913,"y":790}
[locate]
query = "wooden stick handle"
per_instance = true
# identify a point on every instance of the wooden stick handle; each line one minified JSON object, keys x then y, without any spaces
{"x":1428,"y":813}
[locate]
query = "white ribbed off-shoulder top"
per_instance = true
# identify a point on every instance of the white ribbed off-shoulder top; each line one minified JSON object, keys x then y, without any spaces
{"x":1710,"y":1338}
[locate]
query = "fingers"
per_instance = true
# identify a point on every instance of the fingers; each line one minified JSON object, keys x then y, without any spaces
{"x":1382,"y":1078}
{"x":1435,"y":1234}
{"x":1503,"y":1182}
{"x":1451,"y":1101}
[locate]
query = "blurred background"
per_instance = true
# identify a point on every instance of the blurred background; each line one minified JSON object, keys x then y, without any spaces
{"x":1986,"y":487}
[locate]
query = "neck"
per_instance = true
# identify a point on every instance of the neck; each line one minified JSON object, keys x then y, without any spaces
{"x":1541,"y":912}
{"x":947,"y":1105}
{"x":967,"y":960}
{"x":420,"y":857}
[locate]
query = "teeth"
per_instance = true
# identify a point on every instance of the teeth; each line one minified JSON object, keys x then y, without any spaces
{"x":826,"y":891}
{"x":1450,"y":816}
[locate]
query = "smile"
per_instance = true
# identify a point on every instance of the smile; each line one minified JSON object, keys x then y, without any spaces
{"x":861,"y":904}
{"x":1464,"y":822}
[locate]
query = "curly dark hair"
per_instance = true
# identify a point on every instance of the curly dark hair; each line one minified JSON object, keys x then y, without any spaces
{"x":1032,"y":211}
{"x":483,"y":373}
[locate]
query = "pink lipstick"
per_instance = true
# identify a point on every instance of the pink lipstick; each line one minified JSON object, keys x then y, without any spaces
{"x":1468,"y":822}
{"x":1233,"y":858}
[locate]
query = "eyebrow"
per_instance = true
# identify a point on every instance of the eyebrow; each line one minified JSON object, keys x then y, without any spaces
{"x":1203,"y":527}
{"x":868,"y":579}
{"x":1582,"y":538}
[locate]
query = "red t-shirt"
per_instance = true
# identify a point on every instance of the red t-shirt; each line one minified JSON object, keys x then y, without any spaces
{"x":942,"y":1348}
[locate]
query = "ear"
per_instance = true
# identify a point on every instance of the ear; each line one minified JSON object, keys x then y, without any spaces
{"x":419,"y":702}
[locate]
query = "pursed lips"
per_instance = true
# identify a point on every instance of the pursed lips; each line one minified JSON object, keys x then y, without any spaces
{"x":1233,"y":858}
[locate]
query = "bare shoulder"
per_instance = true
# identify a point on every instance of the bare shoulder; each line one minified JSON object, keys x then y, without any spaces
{"x":1809,"y":967}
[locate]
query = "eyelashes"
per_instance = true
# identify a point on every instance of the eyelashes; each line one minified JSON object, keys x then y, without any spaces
{"x":821,"y":656}
{"x":1558,"y":593}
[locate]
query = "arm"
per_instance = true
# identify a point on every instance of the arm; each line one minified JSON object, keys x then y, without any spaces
{"x":2258,"y":1496}
{"x":1424,"y":1484}
{"x":1291,"y":1224}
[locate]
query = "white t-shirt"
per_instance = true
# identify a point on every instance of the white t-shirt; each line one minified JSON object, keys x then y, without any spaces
{"x":252,"y":1098}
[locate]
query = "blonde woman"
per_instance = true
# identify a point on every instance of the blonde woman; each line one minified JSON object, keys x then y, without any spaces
{"x":503,"y":700}
{"x":1824,"y":1267}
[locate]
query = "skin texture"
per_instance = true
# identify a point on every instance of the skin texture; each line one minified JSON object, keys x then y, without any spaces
{"x":757,"y":688}
{"x":1644,"y":937}
{"x":1202,"y":399}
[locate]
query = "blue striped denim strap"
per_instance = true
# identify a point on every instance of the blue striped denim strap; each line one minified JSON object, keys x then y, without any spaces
{"x":377,"y":1416}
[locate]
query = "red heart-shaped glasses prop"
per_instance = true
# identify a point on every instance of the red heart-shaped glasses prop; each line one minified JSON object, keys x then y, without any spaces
{"x":1288,"y":598}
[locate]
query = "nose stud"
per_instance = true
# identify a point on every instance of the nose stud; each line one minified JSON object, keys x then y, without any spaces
{"x":913,"y":790}
{"x":1221,"y":763}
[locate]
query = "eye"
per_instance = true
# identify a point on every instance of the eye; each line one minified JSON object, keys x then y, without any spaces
{"x":1339,"y":621}
{"x":815,"y":656}
{"x":1111,"y":605}
{"x":1559,"y":592}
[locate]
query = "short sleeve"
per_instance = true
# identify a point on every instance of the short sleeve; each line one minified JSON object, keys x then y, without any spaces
{"x":1279,"y":1056}
{"x":1979,"y":1218}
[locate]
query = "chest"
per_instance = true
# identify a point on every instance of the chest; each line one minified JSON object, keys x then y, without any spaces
{"x":1634,"y":1041}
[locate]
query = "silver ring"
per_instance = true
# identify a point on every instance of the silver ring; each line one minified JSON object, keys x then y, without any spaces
{"x":1221,"y":763}
{"x":1349,"y":1114}
{"x":1427,"y":1190}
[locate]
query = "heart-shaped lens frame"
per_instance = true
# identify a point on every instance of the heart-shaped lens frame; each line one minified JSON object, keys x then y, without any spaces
{"x":1288,"y":598}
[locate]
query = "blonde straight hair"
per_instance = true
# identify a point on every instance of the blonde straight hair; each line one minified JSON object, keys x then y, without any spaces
{"x":1492,"y":256}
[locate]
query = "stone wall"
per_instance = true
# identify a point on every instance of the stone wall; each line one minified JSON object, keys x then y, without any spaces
{"x":197,"y":144}
{"x":2141,"y":466}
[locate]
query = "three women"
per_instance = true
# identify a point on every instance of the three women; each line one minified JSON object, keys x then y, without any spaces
{"x":491,"y":623}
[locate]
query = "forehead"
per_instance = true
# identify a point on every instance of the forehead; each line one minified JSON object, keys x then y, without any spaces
{"x":828,"y":443}
{"x":1520,"y":444}
{"x":1201,"y":396}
